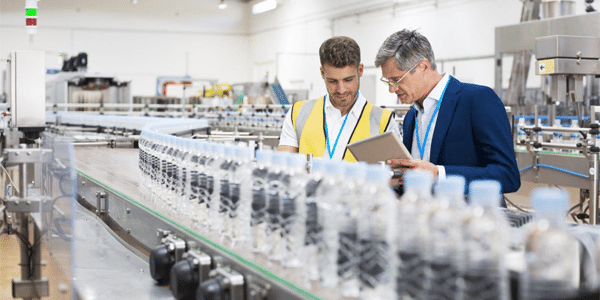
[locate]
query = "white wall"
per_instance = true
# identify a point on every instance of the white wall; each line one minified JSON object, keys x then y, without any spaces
{"x":150,"y":39}
{"x":137,"y":42}
{"x":457,"y":29}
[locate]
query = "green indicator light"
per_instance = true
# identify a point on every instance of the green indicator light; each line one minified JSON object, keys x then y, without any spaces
{"x":31,"y":12}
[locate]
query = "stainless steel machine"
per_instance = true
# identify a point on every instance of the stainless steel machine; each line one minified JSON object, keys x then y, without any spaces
{"x":566,"y":48}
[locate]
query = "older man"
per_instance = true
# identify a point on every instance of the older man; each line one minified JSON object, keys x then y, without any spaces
{"x":453,"y":127}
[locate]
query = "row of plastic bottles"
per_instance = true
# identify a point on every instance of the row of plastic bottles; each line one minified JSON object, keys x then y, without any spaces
{"x":341,"y":226}
{"x":126,"y":122}
{"x":554,"y":137}
{"x":259,"y":120}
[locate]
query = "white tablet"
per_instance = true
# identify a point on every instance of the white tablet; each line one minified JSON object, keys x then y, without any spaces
{"x":379,"y":148}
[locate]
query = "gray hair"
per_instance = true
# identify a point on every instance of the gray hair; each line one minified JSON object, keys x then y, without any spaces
{"x":408,"y":47}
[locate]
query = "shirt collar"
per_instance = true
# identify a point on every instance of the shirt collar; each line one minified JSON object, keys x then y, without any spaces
{"x":356,"y":108}
{"x":434,"y":96}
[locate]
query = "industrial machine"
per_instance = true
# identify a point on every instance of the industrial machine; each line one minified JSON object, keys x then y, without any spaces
{"x":555,"y":128}
{"x":38,"y":176}
{"x":73,"y":89}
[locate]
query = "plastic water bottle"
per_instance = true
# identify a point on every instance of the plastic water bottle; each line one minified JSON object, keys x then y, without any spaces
{"x":575,"y":137}
{"x":196,"y":172}
{"x":411,"y":226}
{"x":557,"y":136}
{"x":314,"y":229}
{"x":237,"y":223}
{"x":376,"y":233}
{"x":208,"y":186}
{"x":293,"y":212}
{"x":182,"y":161}
{"x":327,"y":195}
{"x":258,"y":215}
{"x":486,"y":243}
{"x":341,"y":226}
{"x":221,"y":195}
{"x":445,"y":240}
{"x":521,"y":134}
{"x":277,"y":187}
{"x":551,"y":253}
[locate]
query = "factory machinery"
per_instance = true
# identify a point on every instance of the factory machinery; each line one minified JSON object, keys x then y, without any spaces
{"x":196,"y":215}
{"x":556,"y":131}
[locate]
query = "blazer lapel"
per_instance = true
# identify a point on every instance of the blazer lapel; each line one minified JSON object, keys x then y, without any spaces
{"x":444,"y":118}
{"x":408,"y":128}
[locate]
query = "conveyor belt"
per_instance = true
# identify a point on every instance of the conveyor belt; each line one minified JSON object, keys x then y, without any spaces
{"x":115,"y":171}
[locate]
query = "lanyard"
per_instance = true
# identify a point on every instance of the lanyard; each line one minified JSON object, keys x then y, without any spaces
{"x":422,"y":147}
{"x":327,"y":130}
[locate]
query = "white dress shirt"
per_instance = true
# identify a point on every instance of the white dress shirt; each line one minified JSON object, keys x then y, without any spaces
{"x":334,"y":123}
{"x":423,"y":116}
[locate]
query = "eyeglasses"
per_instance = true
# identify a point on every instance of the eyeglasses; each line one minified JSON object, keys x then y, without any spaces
{"x":395,"y":83}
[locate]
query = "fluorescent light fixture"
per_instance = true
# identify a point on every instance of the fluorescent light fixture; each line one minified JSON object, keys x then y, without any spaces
{"x":264,"y":6}
{"x":222,"y":5}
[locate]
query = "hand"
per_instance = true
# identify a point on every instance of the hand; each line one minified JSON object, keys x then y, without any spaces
{"x":406,"y":164}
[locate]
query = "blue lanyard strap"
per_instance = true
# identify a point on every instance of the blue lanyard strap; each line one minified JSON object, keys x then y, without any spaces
{"x":422,"y":147}
{"x":327,"y":130}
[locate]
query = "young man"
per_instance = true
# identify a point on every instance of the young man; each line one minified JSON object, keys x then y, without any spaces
{"x":324,"y":127}
{"x":453,"y":127}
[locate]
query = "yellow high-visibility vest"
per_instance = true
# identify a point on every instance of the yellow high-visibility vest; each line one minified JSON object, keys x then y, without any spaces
{"x":307,"y":119}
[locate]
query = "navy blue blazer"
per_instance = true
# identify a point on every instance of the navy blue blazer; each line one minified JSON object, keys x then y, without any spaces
{"x":472,"y":136}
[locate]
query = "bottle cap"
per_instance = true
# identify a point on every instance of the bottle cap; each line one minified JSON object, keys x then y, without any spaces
{"x":318,"y":166}
{"x":549,"y":202}
{"x":485,"y":193}
{"x":355,"y":171}
{"x":218,"y":149}
{"x":296,"y":161}
{"x":418,"y":180}
{"x":279,"y":158}
{"x":334,"y":168}
{"x":453,"y":186}
{"x":264,"y":156}
{"x":378,"y":173}
{"x":244,"y":153}
{"x":229,"y":151}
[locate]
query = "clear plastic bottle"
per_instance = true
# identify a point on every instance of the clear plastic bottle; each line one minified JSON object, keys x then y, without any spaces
{"x":521,"y":134}
{"x":412,"y":227}
{"x":221,"y":195}
{"x":486,"y":232}
{"x":445,"y":242}
{"x":241,"y":198}
{"x":160,"y":186}
{"x":182,"y":180}
{"x":293,"y":212}
{"x":314,"y":229}
{"x":278,"y":181}
{"x":376,"y":231}
{"x":260,"y":186}
{"x":327,"y":195}
{"x":196,"y":172}
{"x":208,"y":186}
{"x":343,"y":221}
{"x":551,"y":253}
{"x":557,"y":136}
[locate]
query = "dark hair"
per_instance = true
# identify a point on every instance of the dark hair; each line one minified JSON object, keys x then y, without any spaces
{"x":340,"y":51}
{"x":408,"y":47}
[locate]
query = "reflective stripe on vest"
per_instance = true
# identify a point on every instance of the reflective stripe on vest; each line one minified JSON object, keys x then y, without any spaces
{"x":307,"y":118}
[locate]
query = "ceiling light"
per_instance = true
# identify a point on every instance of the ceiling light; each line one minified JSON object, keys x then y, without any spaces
{"x":222,"y":5}
{"x":264,"y":6}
